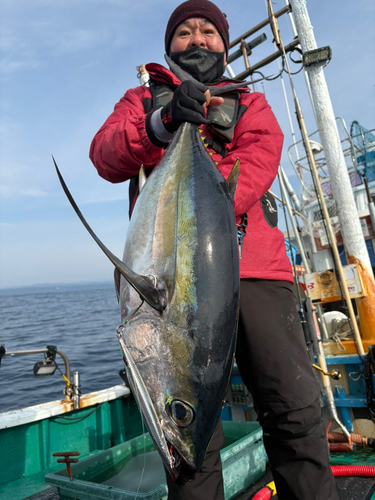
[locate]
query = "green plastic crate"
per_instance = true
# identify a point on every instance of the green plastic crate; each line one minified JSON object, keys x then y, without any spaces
{"x":243,"y":458}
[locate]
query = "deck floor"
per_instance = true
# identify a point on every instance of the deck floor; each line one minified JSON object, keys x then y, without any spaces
{"x":350,"y":488}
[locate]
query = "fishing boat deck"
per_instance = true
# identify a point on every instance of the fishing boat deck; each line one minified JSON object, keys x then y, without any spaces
{"x":350,"y":488}
{"x":112,"y":407}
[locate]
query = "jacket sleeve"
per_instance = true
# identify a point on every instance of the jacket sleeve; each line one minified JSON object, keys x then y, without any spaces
{"x":257,"y":142}
{"x":121,"y":146}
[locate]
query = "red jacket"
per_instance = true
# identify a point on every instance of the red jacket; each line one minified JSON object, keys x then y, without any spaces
{"x":121,"y":146}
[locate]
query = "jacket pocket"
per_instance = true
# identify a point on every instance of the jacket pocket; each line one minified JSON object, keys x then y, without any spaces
{"x":269,"y":208}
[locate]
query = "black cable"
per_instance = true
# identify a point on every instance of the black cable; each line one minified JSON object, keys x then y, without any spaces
{"x":75,"y":419}
{"x":296,"y":62}
{"x":299,"y":51}
{"x":270,"y":78}
{"x":368,"y":367}
{"x":283,"y":69}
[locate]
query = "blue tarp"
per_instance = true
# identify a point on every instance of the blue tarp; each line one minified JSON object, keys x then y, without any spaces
{"x":291,"y":250}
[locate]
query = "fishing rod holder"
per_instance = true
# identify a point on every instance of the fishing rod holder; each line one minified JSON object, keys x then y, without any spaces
{"x":66,"y":459}
{"x":47,"y":366}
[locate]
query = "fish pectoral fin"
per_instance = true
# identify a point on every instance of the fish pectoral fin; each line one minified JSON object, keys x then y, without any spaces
{"x":155,"y":297}
{"x":117,"y":278}
{"x":233,"y":178}
{"x":142,"y":179}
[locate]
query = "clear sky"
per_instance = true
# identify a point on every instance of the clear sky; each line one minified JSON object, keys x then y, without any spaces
{"x":63,"y":66}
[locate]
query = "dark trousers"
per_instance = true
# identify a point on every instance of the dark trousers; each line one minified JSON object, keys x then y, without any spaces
{"x":274,"y":366}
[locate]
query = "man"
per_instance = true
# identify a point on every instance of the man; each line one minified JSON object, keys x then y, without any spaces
{"x":270,"y":353}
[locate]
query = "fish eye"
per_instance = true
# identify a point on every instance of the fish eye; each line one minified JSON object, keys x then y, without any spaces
{"x":181,"y":413}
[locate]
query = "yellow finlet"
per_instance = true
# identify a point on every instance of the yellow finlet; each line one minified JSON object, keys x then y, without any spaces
{"x":272,"y":487}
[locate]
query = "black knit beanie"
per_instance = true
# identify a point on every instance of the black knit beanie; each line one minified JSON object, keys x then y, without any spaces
{"x":197,"y":8}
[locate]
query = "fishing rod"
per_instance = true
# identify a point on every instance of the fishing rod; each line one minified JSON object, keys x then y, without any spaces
{"x":301,"y":311}
{"x":311,"y":331}
{"x":301,"y":122}
{"x":284,"y":183}
{"x":319,"y":348}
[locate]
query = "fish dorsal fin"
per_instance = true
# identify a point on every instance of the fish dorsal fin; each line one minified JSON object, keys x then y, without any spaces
{"x":117,"y":278}
{"x":152,"y":295}
{"x":233,"y":178}
{"x":142,"y":179}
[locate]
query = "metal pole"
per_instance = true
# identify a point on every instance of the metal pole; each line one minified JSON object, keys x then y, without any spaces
{"x":301,"y":123}
{"x":370,"y":203}
{"x":266,"y":60}
{"x":330,"y":401}
{"x":331,"y":234}
{"x":40,"y":351}
{"x":76,"y":391}
{"x":259,"y":26}
{"x":281,"y":201}
{"x":304,"y":70}
{"x":230,"y":71}
{"x":341,"y":188}
{"x":300,"y":245}
{"x":321,"y":357}
{"x":294,"y":198}
{"x":292,"y":193}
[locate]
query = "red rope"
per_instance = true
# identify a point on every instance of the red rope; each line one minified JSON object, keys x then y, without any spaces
{"x":263,"y":494}
{"x":353,"y":470}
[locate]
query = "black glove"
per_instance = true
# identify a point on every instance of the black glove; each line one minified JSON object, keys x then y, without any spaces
{"x":186,"y":106}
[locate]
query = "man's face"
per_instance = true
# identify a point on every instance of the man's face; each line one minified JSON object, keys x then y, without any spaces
{"x":197,"y":32}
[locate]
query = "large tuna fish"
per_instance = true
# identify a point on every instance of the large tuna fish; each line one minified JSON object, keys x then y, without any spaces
{"x":183,"y":237}
{"x":179,"y":290}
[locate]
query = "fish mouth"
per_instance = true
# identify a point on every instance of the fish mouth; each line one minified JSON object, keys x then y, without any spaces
{"x":181,"y":471}
{"x":175,"y":459}
{"x":181,"y":461}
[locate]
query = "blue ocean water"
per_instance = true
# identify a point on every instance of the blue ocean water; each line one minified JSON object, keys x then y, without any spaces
{"x":79,"y":319}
